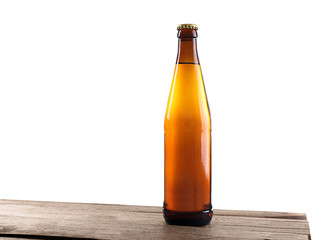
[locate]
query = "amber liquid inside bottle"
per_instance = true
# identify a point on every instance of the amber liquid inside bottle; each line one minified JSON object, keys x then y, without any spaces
{"x":187,"y":135}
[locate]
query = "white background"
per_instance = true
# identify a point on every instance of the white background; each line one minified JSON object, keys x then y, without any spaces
{"x":84,"y":87}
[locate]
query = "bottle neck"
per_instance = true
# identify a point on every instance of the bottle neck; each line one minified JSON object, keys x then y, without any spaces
{"x":187,"y":48}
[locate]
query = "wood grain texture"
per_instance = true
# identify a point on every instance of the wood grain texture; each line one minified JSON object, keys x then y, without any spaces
{"x":56,"y":220}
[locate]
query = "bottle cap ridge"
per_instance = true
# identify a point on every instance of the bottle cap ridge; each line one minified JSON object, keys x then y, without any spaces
{"x":187,"y":26}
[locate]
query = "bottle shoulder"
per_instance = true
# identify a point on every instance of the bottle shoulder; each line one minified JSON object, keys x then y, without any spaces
{"x":187,"y":103}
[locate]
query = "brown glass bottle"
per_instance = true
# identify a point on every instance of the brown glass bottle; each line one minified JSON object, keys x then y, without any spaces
{"x":187,"y":139}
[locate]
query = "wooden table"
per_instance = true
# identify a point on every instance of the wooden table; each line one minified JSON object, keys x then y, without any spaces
{"x":56,"y":220}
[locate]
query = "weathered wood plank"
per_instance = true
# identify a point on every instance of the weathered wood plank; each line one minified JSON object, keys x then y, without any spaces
{"x":102,"y":221}
{"x":262,"y":214}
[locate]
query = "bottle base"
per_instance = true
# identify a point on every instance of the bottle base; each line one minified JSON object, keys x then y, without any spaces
{"x":188,"y":218}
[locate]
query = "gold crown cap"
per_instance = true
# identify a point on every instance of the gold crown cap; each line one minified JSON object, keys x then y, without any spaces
{"x":187,"y":26}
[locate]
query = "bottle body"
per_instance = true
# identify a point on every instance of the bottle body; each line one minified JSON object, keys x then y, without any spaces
{"x":187,"y":142}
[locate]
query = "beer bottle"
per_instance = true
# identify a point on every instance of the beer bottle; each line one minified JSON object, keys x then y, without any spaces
{"x":187,"y":139}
